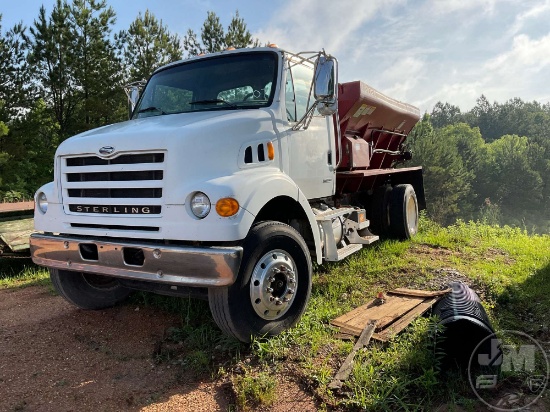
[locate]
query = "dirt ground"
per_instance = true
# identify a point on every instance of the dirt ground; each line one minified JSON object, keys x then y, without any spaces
{"x":55,"y":357}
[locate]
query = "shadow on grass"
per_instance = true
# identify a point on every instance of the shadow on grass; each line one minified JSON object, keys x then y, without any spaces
{"x":525,"y":306}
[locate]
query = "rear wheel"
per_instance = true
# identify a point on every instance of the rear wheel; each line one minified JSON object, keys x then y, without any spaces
{"x":379,"y":211}
{"x":403,"y":212}
{"x":273,"y":286}
{"x":88,"y":290}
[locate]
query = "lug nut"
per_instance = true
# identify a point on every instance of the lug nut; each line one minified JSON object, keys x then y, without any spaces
{"x":290,"y":292}
{"x":271,"y":298}
{"x":269,"y":290}
{"x":278,"y":302}
{"x":271,"y":279}
{"x":286,"y":299}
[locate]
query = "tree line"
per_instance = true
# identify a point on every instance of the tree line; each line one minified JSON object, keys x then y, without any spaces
{"x":491,"y":163}
{"x":64,"y":74}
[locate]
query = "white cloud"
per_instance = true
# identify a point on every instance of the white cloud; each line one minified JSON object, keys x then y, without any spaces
{"x":526,"y":55}
{"x":316,"y":24}
{"x":424,"y":51}
{"x":537,"y":10}
{"x":454,"y":6}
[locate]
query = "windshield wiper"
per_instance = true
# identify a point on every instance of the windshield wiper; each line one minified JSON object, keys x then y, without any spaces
{"x":152,"y":109}
{"x":214,"y":101}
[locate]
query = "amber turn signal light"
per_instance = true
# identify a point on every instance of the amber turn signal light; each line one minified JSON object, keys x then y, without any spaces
{"x":227,"y":207}
{"x":270,"y":151}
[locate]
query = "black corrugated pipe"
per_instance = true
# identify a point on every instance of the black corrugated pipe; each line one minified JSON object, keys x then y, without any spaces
{"x":465,"y":323}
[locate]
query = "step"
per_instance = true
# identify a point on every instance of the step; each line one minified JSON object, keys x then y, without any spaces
{"x":346,"y":251}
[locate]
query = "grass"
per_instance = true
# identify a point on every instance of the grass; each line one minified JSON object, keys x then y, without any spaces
{"x":254,"y":388}
{"x":508,"y":266}
{"x":17,"y":272}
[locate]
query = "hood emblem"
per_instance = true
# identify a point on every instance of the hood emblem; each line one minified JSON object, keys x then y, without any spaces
{"x":106,"y":150}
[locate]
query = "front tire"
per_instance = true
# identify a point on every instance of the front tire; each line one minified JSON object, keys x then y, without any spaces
{"x":272,"y":288}
{"x":87,"y":290}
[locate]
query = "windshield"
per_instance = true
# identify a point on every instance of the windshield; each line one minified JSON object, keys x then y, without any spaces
{"x":235,"y":81}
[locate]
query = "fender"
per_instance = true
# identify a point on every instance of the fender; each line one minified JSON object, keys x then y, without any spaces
{"x":248,"y":187}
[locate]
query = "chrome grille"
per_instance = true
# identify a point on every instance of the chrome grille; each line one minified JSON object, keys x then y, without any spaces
{"x":135,"y":185}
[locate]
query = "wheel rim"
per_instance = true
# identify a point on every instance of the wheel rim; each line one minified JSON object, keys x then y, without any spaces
{"x":412,"y":215}
{"x":273,"y":285}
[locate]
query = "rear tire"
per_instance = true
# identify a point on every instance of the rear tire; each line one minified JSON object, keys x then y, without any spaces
{"x":403,"y":212}
{"x":272,"y":288}
{"x":87,"y":290}
{"x":379,"y":211}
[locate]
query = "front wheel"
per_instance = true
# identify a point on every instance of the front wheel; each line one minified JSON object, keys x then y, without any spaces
{"x":272,"y":288}
{"x":87,"y":290}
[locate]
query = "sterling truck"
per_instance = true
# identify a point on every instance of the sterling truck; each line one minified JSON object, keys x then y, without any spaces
{"x":236,"y":171}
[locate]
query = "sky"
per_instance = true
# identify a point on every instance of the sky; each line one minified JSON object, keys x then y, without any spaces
{"x":417,"y":51}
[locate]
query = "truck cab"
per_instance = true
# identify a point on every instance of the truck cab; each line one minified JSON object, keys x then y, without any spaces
{"x":235,"y":171}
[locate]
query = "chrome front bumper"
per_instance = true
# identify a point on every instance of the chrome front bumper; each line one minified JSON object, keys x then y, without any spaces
{"x":175,"y":265}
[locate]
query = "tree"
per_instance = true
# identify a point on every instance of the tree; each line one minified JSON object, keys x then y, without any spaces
{"x":147,"y":45}
{"x":15,"y":79}
{"x":213,"y":38}
{"x":444,"y":115}
{"x":447,"y":180}
{"x":29,"y":148}
{"x":514,"y":183}
{"x":97,"y":69}
{"x":51,"y":57}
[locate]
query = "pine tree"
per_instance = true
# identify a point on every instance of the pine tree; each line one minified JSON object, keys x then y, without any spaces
{"x":51,"y":57}
{"x":97,"y":69}
{"x":147,"y":45}
{"x":214,"y":39}
{"x":15,"y":89}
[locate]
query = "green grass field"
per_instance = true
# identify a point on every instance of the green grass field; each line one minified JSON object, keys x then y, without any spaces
{"x":509,"y":268}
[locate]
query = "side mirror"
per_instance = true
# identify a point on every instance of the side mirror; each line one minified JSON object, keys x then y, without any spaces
{"x":134,"y":96}
{"x":326,"y":84}
{"x":132,"y":93}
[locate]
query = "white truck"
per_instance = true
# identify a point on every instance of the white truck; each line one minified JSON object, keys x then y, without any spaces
{"x":235,"y":171}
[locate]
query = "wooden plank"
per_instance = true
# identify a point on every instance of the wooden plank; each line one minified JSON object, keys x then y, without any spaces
{"x":346,"y":368}
{"x":402,"y":323}
{"x":15,"y":233}
{"x":419,"y":293}
{"x":386,"y":313}
{"x":16,"y":225}
{"x":16,"y":207}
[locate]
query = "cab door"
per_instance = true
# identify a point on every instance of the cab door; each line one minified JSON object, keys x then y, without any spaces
{"x":310,"y":150}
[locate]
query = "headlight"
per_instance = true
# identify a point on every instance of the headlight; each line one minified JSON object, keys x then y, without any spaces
{"x":42,"y":202}
{"x":200,"y":205}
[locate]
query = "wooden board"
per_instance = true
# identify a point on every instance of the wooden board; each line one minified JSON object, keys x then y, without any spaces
{"x":400,"y":308}
{"x":384,"y":314}
{"x":15,"y":233}
{"x":419,"y":293}
{"x":404,"y":321}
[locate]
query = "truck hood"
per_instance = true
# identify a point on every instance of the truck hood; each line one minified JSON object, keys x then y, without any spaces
{"x":164,"y":126}
{"x":196,"y":145}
